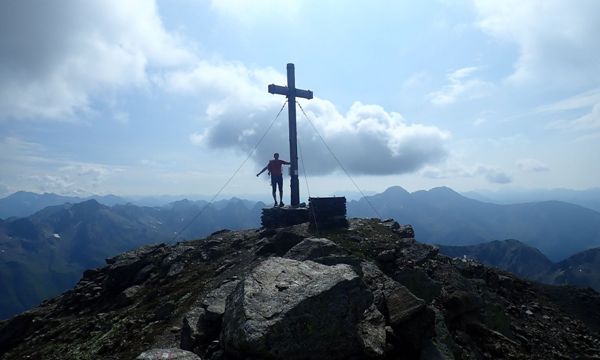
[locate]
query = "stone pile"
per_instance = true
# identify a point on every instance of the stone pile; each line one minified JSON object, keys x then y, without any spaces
{"x":285,"y":216}
{"x":327,"y":213}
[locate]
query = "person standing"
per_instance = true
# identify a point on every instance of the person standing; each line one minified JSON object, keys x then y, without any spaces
{"x":275,"y":170}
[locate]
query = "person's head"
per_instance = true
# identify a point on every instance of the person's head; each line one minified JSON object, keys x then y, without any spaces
{"x":276,"y":156}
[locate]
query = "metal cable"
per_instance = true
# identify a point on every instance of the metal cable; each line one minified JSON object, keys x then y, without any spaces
{"x":338,"y":161}
{"x":232,"y":176}
{"x":310,"y":209}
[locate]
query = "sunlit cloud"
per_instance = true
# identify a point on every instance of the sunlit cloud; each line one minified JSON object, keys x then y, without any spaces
{"x":557,"y":40}
{"x":462,"y":86}
{"x":66,"y":55}
{"x":491,"y":174}
{"x":532,"y":165}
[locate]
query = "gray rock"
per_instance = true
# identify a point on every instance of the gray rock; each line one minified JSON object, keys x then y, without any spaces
{"x":124,"y":270}
{"x":372,"y":333}
{"x":203,"y":324}
{"x":314,"y":248}
{"x":412,"y":321}
{"x":387,"y":256}
{"x":280,"y":243}
{"x":392,"y":299}
{"x":402,"y":304}
{"x":439,"y":347}
{"x":287,"y":309}
{"x":144,"y":273}
{"x":404,"y":231}
{"x":129,"y":295}
{"x":191,"y":330}
{"x":214,"y":301}
{"x":418,"y":282}
{"x":175,"y":269}
{"x":164,"y":311}
{"x":171,"y":353}
{"x":417,"y":254}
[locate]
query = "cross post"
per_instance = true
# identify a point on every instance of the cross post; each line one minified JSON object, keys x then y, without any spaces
{"x":291,"y":92}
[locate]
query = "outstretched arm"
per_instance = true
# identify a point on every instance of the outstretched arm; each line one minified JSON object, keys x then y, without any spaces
{"x":263,"y":170}
{"x":286,"y":162}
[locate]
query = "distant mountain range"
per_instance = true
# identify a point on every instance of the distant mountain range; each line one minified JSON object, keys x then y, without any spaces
{"x":589,"y":198}
{"x":24,"y":203}
{"x":44,"y":254}
{"x":442,"y":216}
{"x":582,"y":269}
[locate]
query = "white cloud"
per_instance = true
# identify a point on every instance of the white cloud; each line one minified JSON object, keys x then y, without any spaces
{"x":532,"y":165}
{"x":580,"y":101}
{"x":479,"y":121}
{"x":557,"y":40}
{"x":462,"y":87}
{"x":56,"y":56}
{"x":588,"y":121}
{"x":491,"y":173}
{"x":250,"y":12}
{"x":121,"y":117}
{"x":588,"y":102}
{"x":368,"y":139}
{"x":30,"y":165}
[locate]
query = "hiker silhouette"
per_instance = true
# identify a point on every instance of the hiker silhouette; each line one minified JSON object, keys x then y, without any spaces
{"x":274,"y":167}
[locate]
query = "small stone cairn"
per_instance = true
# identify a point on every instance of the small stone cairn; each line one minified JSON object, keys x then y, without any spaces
{"x":322,"y":213}
{"x":327,"y":213}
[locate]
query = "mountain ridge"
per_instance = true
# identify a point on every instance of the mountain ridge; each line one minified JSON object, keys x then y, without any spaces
{"x":458,"y":220}
{"x":45,"y":253}
{"x":197,"y":299}
{"x":581,"y":269}
{"x":440,"y":213}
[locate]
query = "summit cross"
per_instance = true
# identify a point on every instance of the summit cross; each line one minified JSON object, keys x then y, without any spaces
{"x":292,"y":93}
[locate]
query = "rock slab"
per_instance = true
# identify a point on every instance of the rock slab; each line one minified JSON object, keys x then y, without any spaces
{"x":289,"y":309}
{"x":160,"y":354}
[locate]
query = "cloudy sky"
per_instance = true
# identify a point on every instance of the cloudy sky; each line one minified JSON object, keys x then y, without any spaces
{"x":169,"y":97}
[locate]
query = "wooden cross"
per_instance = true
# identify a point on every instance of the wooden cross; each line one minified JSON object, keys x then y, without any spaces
{"x":292,"y":93}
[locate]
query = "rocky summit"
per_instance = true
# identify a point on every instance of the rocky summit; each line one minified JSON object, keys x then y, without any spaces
{"x":369,"y":291}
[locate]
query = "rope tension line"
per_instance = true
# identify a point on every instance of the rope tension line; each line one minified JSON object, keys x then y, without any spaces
{"x":250,"y":153}
{"x":312,"y":211}
{"x":339,"y":162}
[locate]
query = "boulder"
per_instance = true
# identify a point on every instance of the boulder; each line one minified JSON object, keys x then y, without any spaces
{"x":129,"y":295}
{"x":130,"y":268}
{"x":288,"y":309}
{"x":203,"y":323}
{"x":214,"y":301}
{"x":392,"y":299}
{"x":418,"y":282}
{"x":314,"y":248}
{"x":404,"y":231}
{"x":416,"y":254}
{"x":280,"y":243}
{"x":411,"y":320}
{"x":160,"y":354}
{"x":372,"y":333}
{"x":192,"y":329}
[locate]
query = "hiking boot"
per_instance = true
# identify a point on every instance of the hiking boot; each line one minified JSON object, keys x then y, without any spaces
{"x":281,"y":204}
{"x":275,"y":204}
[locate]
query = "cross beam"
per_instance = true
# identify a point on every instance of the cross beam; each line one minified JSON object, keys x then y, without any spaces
{"x":292,"y":93}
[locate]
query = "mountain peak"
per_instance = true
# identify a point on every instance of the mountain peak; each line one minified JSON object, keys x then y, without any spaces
{"x":282,"y":293}
{"x":90,"y":204}
{"x":394,"y":191}
{"x":445,"y":192}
